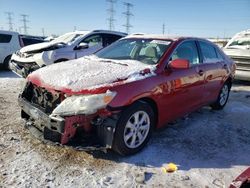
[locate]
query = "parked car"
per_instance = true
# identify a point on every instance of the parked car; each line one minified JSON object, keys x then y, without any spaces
{"x":66,"y":47}
{"x":127,"y":89}
{"x":238,"y":48}
{"x":10,"y":42}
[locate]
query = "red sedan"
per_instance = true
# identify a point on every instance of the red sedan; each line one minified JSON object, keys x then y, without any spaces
{"x":120,"y":94}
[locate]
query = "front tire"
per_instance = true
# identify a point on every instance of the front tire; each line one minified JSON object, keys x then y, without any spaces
{"x":134,"y":128}
{"x":223,"y":97}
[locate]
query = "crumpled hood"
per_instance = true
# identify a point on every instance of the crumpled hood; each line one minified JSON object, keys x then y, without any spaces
{"x":90,"y":73}
{"x":37,"y":47}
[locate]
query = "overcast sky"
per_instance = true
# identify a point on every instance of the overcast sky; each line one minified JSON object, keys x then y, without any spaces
{"x":203,"y":18}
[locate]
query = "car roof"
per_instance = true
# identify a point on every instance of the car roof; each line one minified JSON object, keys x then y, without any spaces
{"x":8,"y":32}
{"x":85,"y":32}
{"x":110,"y":32}
{"x":160,"y":36}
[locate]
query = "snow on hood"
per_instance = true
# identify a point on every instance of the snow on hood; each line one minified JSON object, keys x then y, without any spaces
{"x":35,"y":47}
{"x":90,"y":72}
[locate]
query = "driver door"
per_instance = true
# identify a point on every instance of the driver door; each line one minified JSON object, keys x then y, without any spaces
{"x":95,"y":43}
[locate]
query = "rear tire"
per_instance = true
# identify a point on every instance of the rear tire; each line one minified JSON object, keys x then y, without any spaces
{"x":133,"y":129}
{"x":223,"y":97}
{"x":6,"y":63}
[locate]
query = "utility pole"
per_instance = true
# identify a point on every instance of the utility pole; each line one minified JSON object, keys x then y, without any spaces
{"x":43,"y":32}
{"x":128,"y":15}
{"x":24,"y":20}
{"x":163,"y":28}
{"x":111,"y":13}
{"x":9,"y":18}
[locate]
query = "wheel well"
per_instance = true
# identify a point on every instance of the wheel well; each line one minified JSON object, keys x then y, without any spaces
{"x":230,"y":81}
{"x":60,"y":60}
{"x":6,"y":62}
{"x":153,"y":105}
{"x":7,"y":57}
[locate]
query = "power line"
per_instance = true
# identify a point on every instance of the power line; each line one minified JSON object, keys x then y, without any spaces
{"x":24,"y":20}
{"x":128,"y":15}
{"x":111,"y":13}
{"x":9,"y":18}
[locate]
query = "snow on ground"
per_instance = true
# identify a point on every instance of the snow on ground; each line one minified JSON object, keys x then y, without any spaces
{"x":210,"y":147}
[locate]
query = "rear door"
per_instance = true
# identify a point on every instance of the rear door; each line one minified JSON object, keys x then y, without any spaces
{"x":184,"y":87}
{"x":214,"y":70}
{"x":5,"y":47}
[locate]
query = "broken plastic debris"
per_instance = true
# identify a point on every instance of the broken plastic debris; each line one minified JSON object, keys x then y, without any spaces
{"x":171,"y":167}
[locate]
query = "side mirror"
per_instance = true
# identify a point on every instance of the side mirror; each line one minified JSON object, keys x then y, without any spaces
{"x":179,"y":64}
{"x":82,"y":45}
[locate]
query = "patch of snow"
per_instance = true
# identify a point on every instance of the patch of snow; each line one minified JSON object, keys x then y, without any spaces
{"x":90,"y":73}
{"x":211,"y":148}
{"x":236,"y":107}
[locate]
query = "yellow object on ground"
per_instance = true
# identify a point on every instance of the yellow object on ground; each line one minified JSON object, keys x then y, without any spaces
{"x":171,"y":167}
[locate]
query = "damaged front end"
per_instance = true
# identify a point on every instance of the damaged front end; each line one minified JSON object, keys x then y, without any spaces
{"x":23,"y":69}
{"x":81,"y":120}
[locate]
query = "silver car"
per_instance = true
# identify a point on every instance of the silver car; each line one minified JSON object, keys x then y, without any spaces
{"x":238,"y":48}
{"x":66,"y":47}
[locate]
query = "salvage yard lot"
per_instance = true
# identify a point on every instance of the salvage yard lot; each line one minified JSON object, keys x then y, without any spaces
{"x":210,"y":147}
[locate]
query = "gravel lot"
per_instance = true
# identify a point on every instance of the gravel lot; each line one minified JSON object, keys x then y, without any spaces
{"x":210,"y":148}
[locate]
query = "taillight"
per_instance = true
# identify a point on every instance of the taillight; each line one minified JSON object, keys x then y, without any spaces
{"x":20,"y":41}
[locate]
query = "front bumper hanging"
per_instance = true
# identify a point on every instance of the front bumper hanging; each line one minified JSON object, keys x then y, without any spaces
{"x":62,"y":130}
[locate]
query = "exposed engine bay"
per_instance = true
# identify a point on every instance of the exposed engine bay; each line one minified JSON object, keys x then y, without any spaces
{"x":88,"y":132}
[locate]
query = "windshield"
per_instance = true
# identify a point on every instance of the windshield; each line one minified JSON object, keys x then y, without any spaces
{"x":240,"y":42}
{"x":67,"y":38}
{"x":148,"y":51}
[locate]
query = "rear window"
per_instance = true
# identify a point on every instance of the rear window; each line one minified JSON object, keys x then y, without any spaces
{"x":109,"y":39}
{"x":29,"y":41}
{"x":208,"y":52}
{"x":4,"y":38}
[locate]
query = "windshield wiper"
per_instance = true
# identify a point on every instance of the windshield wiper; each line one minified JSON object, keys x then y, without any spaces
{"x":110,"y":61}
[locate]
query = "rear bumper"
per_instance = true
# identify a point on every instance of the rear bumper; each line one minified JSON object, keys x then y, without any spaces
{"x":242,"y":75}
{"x":62,"y":129}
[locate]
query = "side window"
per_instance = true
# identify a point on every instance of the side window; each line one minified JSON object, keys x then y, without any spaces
{"x":219,"y":55}
{"x":4,"y":38}
{"x":208,"y":52}
{"x":93,"y":40}
{"x":187,"y":50}
{"x":29,"y":41}
{"x":109,"y":39}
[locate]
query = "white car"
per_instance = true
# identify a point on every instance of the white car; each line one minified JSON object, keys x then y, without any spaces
{"x":66,"y":47}
{"x":9,"y":43}
{"x":238,"y":48}
{"x":12,"y":41}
